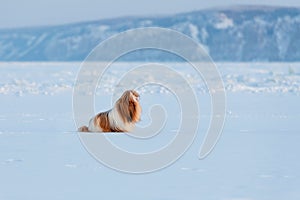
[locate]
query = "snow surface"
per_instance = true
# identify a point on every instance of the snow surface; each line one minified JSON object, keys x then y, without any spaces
{"x":58,"y":78}
{"x":257,"y":157}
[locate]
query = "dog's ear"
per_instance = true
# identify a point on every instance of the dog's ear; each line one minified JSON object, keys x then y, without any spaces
{"x":123,"y":106}
{"x":134,"y":106}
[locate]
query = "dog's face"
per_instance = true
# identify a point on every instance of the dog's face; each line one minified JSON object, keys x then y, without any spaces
{"x":134,"y":96}
{"x":129,"y":107}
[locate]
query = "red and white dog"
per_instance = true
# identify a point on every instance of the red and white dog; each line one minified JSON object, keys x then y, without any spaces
{"x":121,"y":118}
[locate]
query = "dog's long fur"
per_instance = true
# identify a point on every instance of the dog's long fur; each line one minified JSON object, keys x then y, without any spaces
{"x":121,"y":118}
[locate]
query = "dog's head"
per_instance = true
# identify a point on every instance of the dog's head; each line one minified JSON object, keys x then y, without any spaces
{"x":129,"y":107}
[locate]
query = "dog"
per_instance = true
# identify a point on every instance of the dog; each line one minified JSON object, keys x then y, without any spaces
{"x":121,"y":118}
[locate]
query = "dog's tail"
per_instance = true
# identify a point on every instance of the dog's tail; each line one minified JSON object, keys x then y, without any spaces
{"x":83,"y":129}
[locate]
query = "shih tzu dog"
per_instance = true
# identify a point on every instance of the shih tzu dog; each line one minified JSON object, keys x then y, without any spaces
{"x":121,"y":118}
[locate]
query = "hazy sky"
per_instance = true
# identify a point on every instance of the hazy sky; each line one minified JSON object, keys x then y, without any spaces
{"x":22,"y":13}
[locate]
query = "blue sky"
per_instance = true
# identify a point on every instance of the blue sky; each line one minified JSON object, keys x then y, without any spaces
{"x":23,"y":13}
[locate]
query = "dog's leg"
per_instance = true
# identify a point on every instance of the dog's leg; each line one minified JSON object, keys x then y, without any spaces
{"x":83,"y":129}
